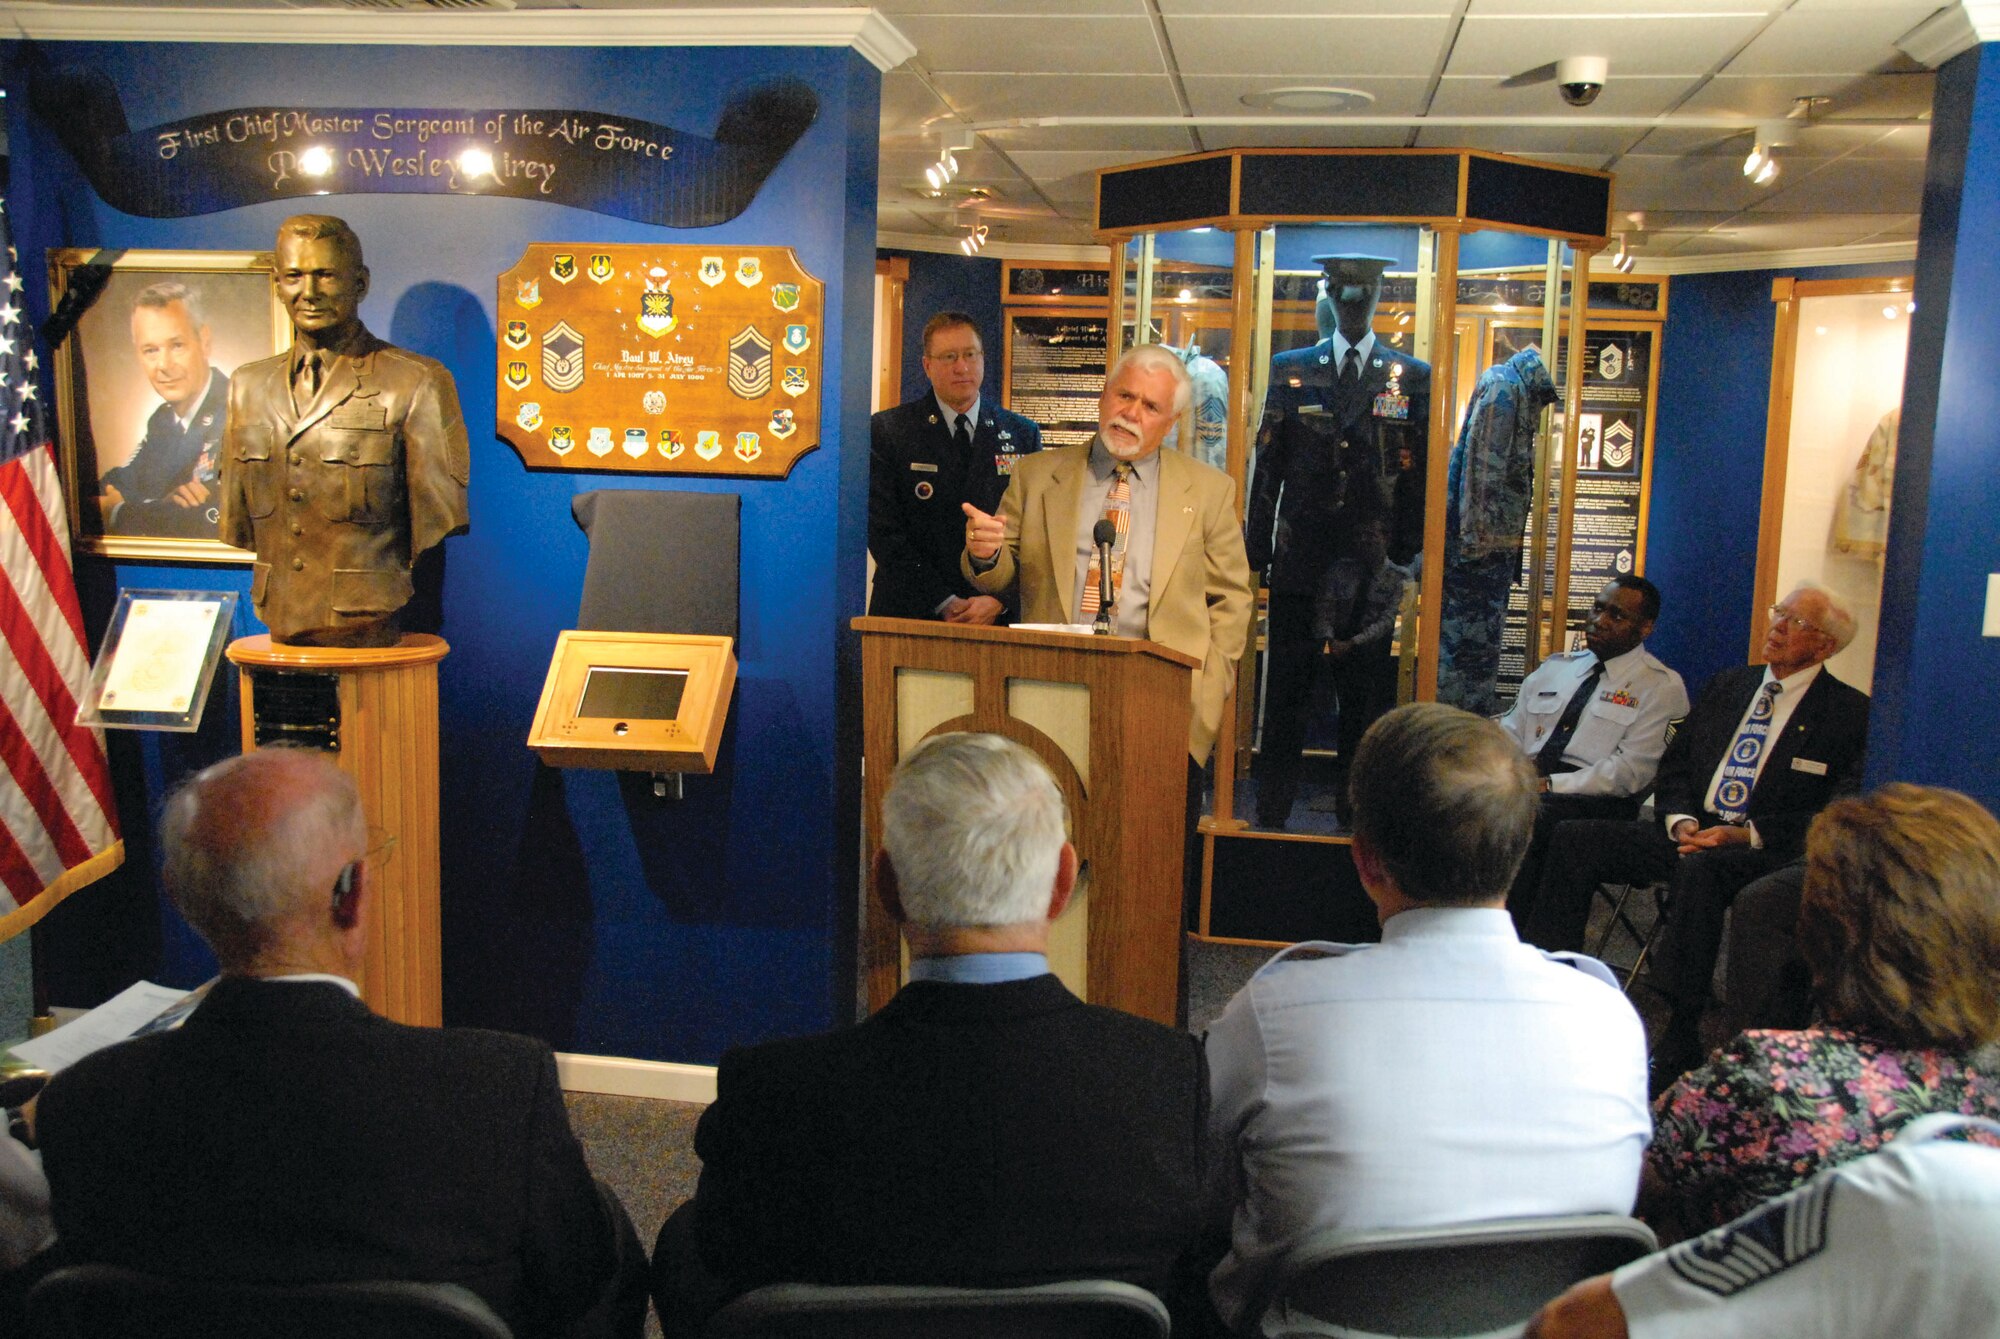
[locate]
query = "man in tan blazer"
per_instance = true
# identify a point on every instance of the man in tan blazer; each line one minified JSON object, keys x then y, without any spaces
{"x":1185,"y":582}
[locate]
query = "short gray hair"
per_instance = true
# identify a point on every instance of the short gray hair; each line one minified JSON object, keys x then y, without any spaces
{"x":1157,"y":355}
{"x":1838,"y":622}
{"x":974,"y":828}
{"x":1446,"y":799}
{"x":166,"y":293}
{"x":242,"y":840}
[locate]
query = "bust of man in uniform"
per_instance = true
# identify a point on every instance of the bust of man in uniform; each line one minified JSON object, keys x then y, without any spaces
{"x":344,"y":459}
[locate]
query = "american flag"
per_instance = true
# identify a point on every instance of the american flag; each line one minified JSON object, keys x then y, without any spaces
{"x":58,"y":821}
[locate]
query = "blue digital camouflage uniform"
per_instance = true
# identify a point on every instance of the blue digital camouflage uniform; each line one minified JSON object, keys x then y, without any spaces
{"x":1488,"y":492}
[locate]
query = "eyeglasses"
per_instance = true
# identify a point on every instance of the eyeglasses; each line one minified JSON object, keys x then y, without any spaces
{"x":1781,"y":616}
{"x":953,"y":357}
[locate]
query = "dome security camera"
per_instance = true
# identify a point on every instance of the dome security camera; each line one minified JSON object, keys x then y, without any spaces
{"x":1581,"y":78}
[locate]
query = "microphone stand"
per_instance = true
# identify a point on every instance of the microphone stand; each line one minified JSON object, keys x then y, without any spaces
{"x":1104,"y":534}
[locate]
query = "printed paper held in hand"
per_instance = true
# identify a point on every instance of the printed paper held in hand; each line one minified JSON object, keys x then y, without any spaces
{"x":143,"y":1007}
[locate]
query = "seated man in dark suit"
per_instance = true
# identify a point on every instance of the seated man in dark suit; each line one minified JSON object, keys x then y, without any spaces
{"x":286,"y":1134}
{"x":985,"y":1128}
{"x":1764,"y":749}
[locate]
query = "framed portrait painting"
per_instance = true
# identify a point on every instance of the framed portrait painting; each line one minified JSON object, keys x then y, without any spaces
{"x":142,"y":386}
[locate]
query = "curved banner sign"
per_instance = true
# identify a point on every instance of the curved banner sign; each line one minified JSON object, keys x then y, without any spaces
{"x":615,"y":165}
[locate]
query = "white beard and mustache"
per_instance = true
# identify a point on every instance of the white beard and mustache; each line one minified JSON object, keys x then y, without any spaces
{"x":1123,"y":450}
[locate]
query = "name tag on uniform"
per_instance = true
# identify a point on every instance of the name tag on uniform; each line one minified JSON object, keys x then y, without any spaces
{"x":1391,"y":405}
{"x":365,"y":417}
{"x":923,"y":467}
{"x":1809,"y":767}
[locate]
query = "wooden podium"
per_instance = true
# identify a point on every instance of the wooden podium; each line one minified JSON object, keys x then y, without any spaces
{"x":385,"y":729}
{"x":1109,"y":715}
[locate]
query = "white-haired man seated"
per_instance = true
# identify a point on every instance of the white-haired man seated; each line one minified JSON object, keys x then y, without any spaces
{"x":984,"y":1128}
{"x":287,"y":1135}
{"x":1764,"y":748}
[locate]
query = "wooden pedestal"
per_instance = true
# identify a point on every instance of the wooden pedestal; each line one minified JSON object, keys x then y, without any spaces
{"x":389,"y":745}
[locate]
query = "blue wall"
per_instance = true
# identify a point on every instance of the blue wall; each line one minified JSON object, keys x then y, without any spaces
{"x":1936,"y":716}
{"x":575,"y":906}
{"x":970,"y":284}
{"x":1708,"y":461}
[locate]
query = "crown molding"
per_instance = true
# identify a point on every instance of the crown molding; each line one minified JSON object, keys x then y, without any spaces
{"x":867,"y":32}
{"x":1872,"y":253}
{"x":995,"y":249}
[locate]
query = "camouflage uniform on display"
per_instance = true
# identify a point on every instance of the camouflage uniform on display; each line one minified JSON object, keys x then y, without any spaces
{"x":1487,"y":496}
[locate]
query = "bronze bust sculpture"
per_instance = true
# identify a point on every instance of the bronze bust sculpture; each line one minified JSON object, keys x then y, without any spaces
{"x":344,"y":459}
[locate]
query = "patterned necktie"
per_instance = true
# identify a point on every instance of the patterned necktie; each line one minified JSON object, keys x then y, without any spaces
{"x":1739,"y":770}
{"x":1117,"y":510}
{"x":963,"y":436}
{"x":1549,"y":759}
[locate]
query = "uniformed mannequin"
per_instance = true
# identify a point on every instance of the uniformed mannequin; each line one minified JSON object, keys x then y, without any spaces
{"x":1332,"y":432}
{"x":344,"y":459}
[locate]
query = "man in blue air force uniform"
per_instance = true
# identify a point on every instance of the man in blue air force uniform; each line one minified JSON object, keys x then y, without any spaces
{"x":943,"y":448}
{"x":170,"y":485}
{"x":1335,"y":419}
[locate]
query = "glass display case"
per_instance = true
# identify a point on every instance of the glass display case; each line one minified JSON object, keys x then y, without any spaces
{"x":1349,"y":318}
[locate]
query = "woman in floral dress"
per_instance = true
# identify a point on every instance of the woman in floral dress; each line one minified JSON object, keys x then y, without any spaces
{"x":1900,"y":925}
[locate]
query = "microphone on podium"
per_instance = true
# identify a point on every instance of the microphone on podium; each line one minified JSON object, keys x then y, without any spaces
{"x":1104,"y":535}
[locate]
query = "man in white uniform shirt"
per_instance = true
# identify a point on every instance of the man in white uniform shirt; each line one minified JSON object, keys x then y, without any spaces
{"x":1594,"y":723}
{"x":1901,"y":1244}
{"x":1448,"y":1074}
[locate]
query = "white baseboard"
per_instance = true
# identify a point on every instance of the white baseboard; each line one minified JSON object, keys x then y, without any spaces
{"x":636,"y":1078}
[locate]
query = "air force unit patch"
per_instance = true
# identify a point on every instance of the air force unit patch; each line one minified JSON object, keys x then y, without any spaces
{"x":1761,"y":1245}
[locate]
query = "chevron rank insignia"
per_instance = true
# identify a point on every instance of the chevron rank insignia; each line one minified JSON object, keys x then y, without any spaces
{"x":562,"y":357}
{"x":750,"y":364}
{"x":1761,"y":1245}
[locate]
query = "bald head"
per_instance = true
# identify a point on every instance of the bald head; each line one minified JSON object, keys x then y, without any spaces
{"x":253,"y":848}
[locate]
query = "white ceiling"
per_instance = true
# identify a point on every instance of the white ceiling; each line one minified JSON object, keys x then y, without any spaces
{"x":982,"y":62}
{"x":1697,"y":75}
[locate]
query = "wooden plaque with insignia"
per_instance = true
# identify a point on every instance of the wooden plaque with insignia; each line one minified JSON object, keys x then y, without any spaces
{"x":660,"y":359}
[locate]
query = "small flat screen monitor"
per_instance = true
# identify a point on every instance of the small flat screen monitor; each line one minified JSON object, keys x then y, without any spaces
{"x":632,"y":694}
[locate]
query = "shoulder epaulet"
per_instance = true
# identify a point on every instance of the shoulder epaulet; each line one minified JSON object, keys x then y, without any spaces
{"x":1315,"y":948}
{"x":1584,"y":963}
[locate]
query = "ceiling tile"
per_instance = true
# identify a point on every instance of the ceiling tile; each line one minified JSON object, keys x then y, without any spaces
{"x":1873,"y":187}
{"x":1646,"y":43}
{"x":1223,"y":94}
{"x":1488,"y":95}
{"x":1160,"y":141}
{"x":1766,"y":97}
{"x":1304,"y":137}
{"x":900,"y":11}
{"x":1805,"y":41}
{"x":1647,"y":181}
{"x":1531,"y":141}
{"x":1320,"y":52}
{"x":1315,"y":9}
{"x":1573,"y":9}
{"x":1060,"y":44}
{"x":907,"y":104}
{"x":995,"y":97}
